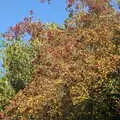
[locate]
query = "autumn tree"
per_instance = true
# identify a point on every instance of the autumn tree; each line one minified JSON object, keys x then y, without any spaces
{"x":76,"y":70}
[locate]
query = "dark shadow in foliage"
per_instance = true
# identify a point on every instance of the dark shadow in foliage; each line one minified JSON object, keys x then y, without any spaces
{"x":93,"y":110}
{"x":17,"y":85}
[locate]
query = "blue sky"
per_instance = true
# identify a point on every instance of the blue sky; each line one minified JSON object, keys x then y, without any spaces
{"x":13,"y":11}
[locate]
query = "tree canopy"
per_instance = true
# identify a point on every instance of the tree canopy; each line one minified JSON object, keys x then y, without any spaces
{"x":75,"y":69}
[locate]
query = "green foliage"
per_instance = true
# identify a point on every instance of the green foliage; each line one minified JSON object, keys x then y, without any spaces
{"x":6,"y":92}
{"x":17,"y":63}
{"x":17,"y":58}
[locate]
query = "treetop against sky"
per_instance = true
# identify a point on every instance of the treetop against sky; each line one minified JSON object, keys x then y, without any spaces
{"x":11,"y":12}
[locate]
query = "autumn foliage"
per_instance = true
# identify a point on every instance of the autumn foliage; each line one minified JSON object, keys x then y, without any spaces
{"x":73,"y":70}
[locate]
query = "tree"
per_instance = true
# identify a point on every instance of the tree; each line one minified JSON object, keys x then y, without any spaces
{"x":76,"y":69}
{"x":17,"y":63}
{"x":71,"y":67}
